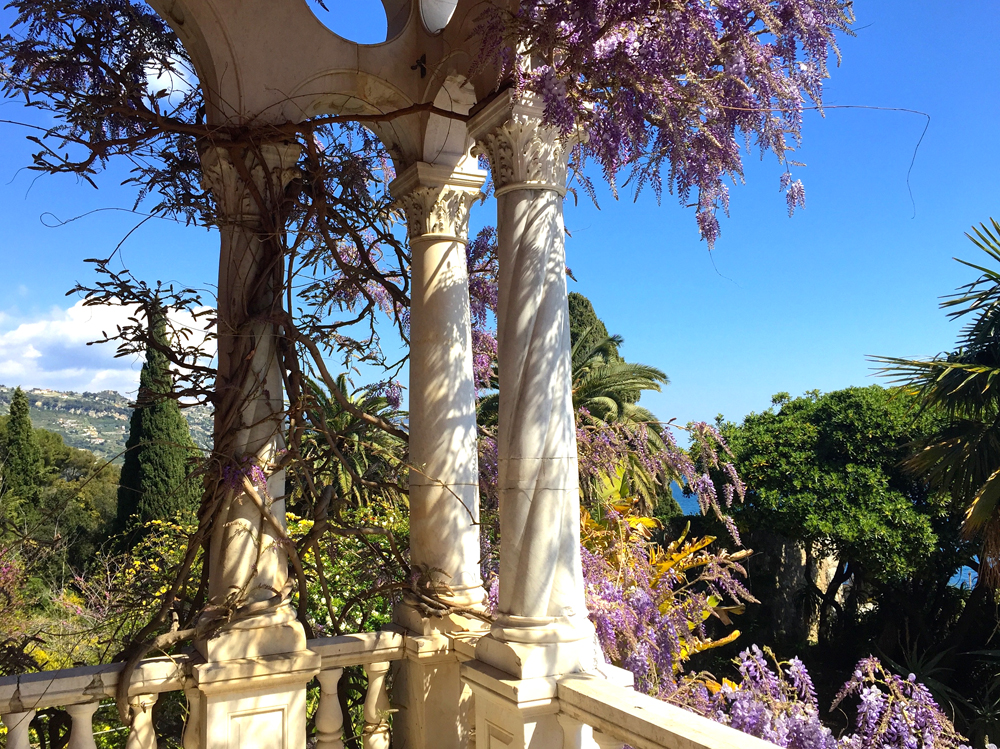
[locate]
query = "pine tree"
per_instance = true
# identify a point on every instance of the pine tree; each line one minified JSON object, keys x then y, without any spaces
{"x":20,"y":457}
{"x":155,"y":480}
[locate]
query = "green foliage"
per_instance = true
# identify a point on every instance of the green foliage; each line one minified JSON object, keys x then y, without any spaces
{"x":156,"y":480}
{"x":825,"y":469}
{"x":354,"y":567}
{"x":21,"y":467}
{"x":372,"y":467}
{"x":586,"y":328}
{"x":73,"y":500}
{"x":963,"y":456}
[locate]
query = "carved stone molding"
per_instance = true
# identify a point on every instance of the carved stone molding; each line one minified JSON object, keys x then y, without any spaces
{"x":271,"y":168}
{"x":440,"y":211}
{"x":436,"y":200}
{"x":523,"y":153}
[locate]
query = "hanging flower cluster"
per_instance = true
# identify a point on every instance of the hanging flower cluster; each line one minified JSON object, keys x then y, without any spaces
{"x":895,"y":712}
{"x":650,"y":604}
{"x":669,"y":90}
{"x":778,"y":706}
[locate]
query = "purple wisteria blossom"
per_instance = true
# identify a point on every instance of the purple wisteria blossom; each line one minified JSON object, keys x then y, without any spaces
{"x":391,"y":390}
{"x":777,"y":706}
{"x":895,"y":713}
{"x":650,"y":604}
{"x":668,"y":93}
{"x":776,"y":701}
{"x":245,"y":466}
{"x":483,"y":268}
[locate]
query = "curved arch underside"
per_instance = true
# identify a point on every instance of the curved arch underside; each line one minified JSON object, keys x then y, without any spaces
{"x":273,"y":61}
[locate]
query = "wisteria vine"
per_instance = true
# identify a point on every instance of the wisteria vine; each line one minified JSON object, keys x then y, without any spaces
{"x":668,"y":92}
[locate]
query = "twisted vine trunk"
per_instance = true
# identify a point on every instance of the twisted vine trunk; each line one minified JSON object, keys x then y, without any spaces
{"x":247,"y":562}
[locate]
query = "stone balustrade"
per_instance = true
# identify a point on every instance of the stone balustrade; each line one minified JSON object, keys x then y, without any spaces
{"x":592,"y":710}
{"x":80,"y":691}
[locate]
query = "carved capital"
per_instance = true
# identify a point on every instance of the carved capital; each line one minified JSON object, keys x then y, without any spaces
{"x":436,"y":200}
{"x":524,"y":154}
{"x":270,"y":168}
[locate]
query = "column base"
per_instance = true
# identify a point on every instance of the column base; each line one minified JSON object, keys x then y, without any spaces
{"x":251,"y":703}
{"x":435,"y":707}
{"x":408,"y":616}
{"x":516,"y":713}
{"x":534,"y":660}
{"x":276,"y":632}
{"x":529,"y":648}
{"x":513,"y":713}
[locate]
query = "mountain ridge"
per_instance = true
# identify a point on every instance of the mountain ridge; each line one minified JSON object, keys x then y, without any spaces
{"x":98,"y":422}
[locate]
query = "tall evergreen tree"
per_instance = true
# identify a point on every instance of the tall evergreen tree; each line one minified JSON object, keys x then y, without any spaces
{"x":584,"y":323}
{"x":20,"y":458}
{"x":155,"y":480}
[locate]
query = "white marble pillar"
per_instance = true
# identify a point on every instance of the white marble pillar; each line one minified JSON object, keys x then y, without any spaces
{"x":251,"y":691}
{"x":246,"y":561}
{"x":542,"y":606}
{"x":444,"y":477}
{"x":433,"y":702}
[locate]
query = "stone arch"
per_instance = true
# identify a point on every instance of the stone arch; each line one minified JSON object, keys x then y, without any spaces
{"x":205,"y":40}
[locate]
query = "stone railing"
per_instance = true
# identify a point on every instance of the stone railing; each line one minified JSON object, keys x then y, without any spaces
{"x":591,"y":706}
{"x":80,"y":691}
{"x":375,"y":651}
{"x":591,"y":709}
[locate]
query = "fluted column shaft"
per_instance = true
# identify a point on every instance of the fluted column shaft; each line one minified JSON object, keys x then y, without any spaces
{"x":444,"y":478}
{"x":541,"y":579}
{"x":247,"y":562}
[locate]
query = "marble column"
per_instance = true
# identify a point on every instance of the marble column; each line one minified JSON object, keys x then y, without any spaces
{"x":251,"y":689}
{"x":434,"y":704}
{"x":444,"y":477}
{"x":247,"y":562}
{"x":541,"y":628}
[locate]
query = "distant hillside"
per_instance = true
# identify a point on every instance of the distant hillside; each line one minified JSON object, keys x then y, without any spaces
{"x":96,"y":421}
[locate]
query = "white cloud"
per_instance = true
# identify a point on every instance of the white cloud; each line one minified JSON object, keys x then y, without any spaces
{"x":52,"y":352}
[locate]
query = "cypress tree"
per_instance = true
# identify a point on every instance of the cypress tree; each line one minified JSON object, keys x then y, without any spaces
{"x":583,"y":321}
{"x":155,"y":480}
{"x":21,"y":458}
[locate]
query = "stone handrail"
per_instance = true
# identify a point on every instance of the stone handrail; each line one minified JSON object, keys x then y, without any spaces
{"x":372,"y":650}
{"x":622,"y":716}
{"x":80,"y":691}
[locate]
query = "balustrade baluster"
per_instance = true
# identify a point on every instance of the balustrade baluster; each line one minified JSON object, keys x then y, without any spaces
{"x":376,"y":734}
{"x":142,"y":734}
{"x":17,"y":729}
{"x":329,"y":716}
{"x":191,"y":738}
{"x":81,"y":734}
{"x":575,"y":732}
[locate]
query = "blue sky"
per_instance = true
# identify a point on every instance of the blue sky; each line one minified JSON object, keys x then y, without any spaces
{"x":781,"y":304}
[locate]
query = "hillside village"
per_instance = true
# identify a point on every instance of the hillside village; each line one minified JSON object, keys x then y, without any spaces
{"x":97,"y":422}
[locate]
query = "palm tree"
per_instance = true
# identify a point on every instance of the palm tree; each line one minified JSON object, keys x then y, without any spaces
{"x":362,"y":462}
{"x":964,"y":456}
{"x":606,"y":390}
{"x":609,"y":387}
{"x":604,"y":385}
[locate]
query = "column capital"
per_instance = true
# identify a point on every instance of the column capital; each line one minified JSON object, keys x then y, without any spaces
{"x":524,"y":154}
{"x":270,"y":166}
{"x":436,"y":199}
